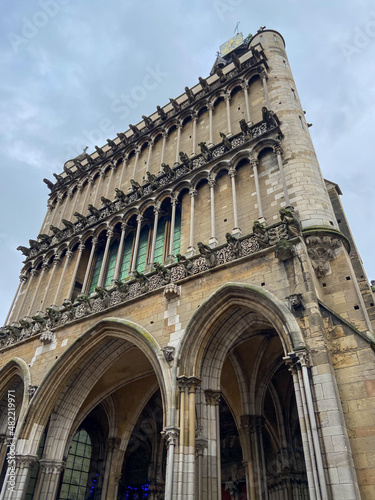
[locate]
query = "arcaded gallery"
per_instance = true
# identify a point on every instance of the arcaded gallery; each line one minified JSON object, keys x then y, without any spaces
{"x":193,"y":320}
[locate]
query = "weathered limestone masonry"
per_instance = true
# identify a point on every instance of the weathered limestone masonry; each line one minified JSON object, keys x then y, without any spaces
{"x":193,"y":320}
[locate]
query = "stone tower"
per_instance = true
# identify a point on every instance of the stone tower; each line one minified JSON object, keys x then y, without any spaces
{"x":193,"y":320}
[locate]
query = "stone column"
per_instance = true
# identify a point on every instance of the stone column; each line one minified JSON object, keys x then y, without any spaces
{"x":213,"y":240}
{"x":45,"y":269}
{"x":165,"y":135}
{"x":23,"y":279}
{"x":245,"y":88}
{"x":200,"y":446}
{"x":116,"y":274}
{"x":56,"y":263}
{"x":101,"y":178}
{"x":113,"y":446}
{"x":77,"y":197}
{"x":136,"y":244}
{"x":33,"y":273}
{"x":48,"y":478}
{"x":16,"y":481}
{"x":227,"y":100}
{"x":90,"y":182}
{"x":109,"y":183}
{"x":88,"y":270}
{"x":105,"y":257}
{"x":173,"y":220}
{"x":150,"y":146}
{"x":123,"y":168}
{"x":255,"y":164}
{"x":155,"y":229}
{"x":81,"y":248}
{"x":213,"y":464}
{"x":191,"y":250}
{"x":68,"y":258}
{"x":210,"y":107}
{"x":137,"y":153}
{"x":236,"y":231}
{"x":171,"y":437}
{"x":263,"y":76}
{"x":194,"y":138}
{"x":179,"y":127}
{"x":278,"y":153}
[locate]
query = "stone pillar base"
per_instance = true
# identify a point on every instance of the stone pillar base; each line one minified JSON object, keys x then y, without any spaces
{"x":213,"y":242}
{"x":236,"y":232}
{"x":190,"y":252}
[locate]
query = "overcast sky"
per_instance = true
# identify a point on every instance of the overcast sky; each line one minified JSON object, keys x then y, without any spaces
{"x":69,"y":66}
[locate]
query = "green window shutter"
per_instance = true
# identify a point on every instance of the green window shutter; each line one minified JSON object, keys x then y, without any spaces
{"x":111,"y":264}
{"x":96,"y":272}
{"x":177,"y":232}
{"x":128,"y":245}
{"x":142,"y":249}
{"x":159,"y":242}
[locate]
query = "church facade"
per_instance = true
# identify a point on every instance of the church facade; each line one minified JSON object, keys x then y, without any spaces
{"x":193,"y":320}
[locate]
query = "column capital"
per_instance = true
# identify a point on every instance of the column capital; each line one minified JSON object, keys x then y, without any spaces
{"x":193,"y":193}
{"x":109,"y":233}
{"x":57,"y":259}
{"x":194,"y":116}
{"x":124,"y":226}
{"x":252,"y":423}
{"x":179,"y":125}
{"x":188,"y":383}
{"x":263,"y":73}
{"x":210,"y":106}
{"x":34,"y":272}
{"x":226,"y":96}
{"x":113,"y":166}
{"x":45,"y":265}
{"x":171,"y":434}
{"x":244,"y":85}
{"x":94,"y":241}
{"x":157,"y":208}
{"x":232,"y":172}
{"x":113,"y":443}
{"x":139,"y":218}
{"x":81,"y":247}
{"x":164,"y":134}
{"x":51,"y":466}
{"x":254,"y":162}
{"x":26,"y":461}
{"x":211,"y":182}
{"x":295,"y":360}
{"x":23,"y":277}
{"x":278,"y":150}
{"x":212,"y":397}
{"x":69,"y":254}
{"x":137,"y":150}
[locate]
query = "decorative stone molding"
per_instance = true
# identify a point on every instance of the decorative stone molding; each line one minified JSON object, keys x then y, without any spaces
{"x":47,"y":337}
{"x":189,"y":384}
{"x":295,"y":302}
{"x":171,"y":434}
{"x":322,"y":250}
{"x":26,"y":461}
{"x":32,"y":390}
{"x":284,"y":250}
{"x":50,"y":466}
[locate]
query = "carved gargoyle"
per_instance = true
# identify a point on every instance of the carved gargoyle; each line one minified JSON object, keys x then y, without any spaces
{"x":53,"y":313}
{"x":122,"y":287}
{"x":175,"y":105}
{"x":49,"y":183}
{"x":268,"y":116}
{"x":236,"y":61}
{"x":112,"y":144}
{"x":78,"y":166}
{"x":141,"y":279}
{"x":163,"y":272}
{"x":245,"y":127}
{"x":68,"y":172}
{"x":69,"y":225}
{"x":43,"y":237}
{"x":80,"y":217}
{"x":185,"y":160}
{"x":167,"y":169}
{"x":134,"y":129}
{"x":234,"y":245}
{"x":188,"y":264}
{"x":261,"y":234}
{"x":204,"y":84}
{"x":292,"y":222}
{"x":152,"y":180}
{"x":190,"y":95}
{"x":226,"y":142}
{"x":58,"y":178}
{"x":101,"y":292}
{"x":137,"y":187}
{"x":221,"y":75}
{"x":106,"y":202}
{"x":149,"y":123}
{"x":206,"y":153}
{"x":83,"y":299}
{"x":93,"y":211}
{"x":161,"y":112}
{"x":121,"y":196}
{"x":34,"y":244}
{"x":122,"y":137}
{"x":90,"y":160}
{"x":208,"y":253}
{"x":100,"y":152}
{"x":56,"y":231}
{"x":24,"y":250}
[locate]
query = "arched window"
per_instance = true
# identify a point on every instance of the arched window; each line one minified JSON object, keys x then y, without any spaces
{"x":159,"y":255}
{"x":75,"y":481}
{"x":177,"y":231}
{"x":96,"y":271}
{"x":142,"y":249}
{"x":125,"y":265}
{"x":111,"y":263}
